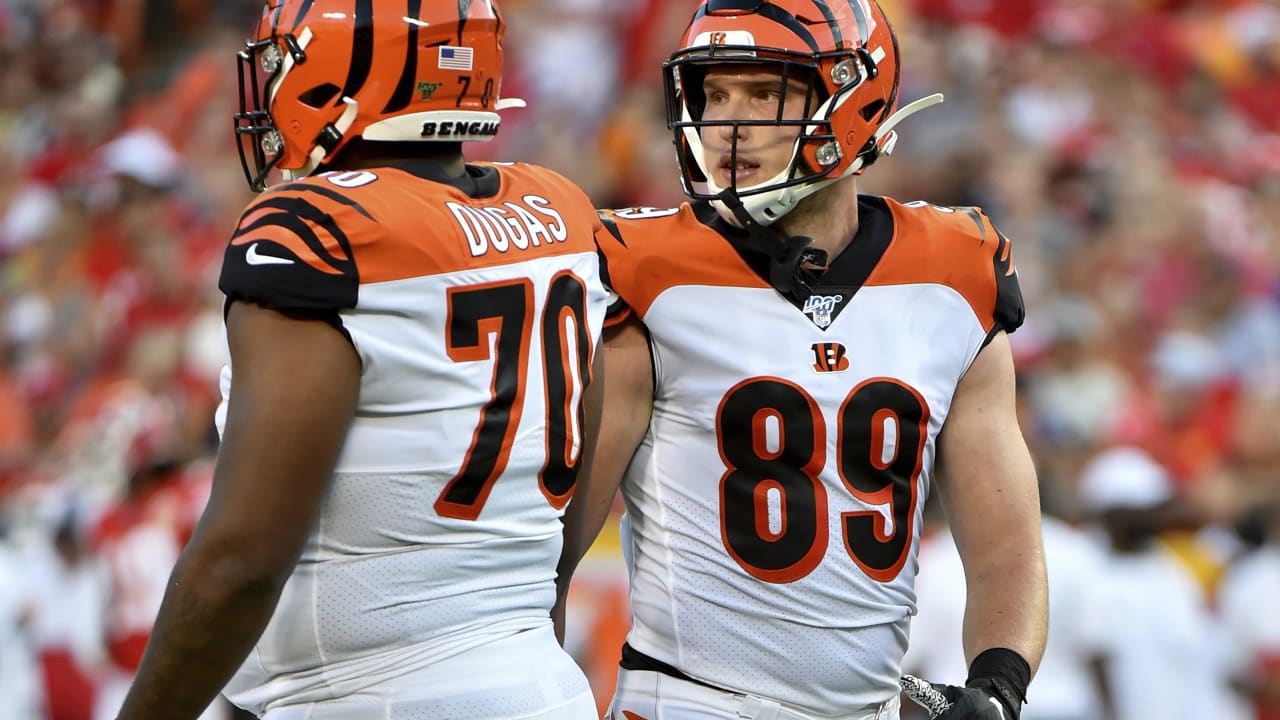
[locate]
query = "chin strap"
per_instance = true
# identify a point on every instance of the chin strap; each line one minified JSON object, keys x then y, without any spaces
{"x":328,"y":139}
{"x":787,"y":254}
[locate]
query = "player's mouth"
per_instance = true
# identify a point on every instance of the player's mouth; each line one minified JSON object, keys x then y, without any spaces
{"x":744,"y":171}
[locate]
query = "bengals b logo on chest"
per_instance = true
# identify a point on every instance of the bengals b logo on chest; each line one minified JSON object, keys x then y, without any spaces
{"x":830,"y":357}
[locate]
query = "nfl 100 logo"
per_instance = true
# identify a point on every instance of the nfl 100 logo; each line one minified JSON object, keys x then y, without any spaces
{"x":821,"y":308}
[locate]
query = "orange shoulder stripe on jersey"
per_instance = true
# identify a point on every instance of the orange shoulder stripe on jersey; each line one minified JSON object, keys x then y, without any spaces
{"x":650,"y":251}
{"x":956,"y":247}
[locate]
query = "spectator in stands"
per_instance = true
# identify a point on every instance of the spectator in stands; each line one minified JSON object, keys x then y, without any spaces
{"x":1157,"y":626}
{"x":1251,"y":626}
{"x":1071,"y":683}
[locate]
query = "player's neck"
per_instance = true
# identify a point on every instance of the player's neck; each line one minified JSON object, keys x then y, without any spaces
{"x":364,"y":155}
{"x":829,"y":216}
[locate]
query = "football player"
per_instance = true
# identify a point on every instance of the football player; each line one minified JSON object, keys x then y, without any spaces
{"x":410,"y":393}
{"x":793,"y":367}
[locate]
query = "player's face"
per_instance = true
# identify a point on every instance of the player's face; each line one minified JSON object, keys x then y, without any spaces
{"x":745,"y":92}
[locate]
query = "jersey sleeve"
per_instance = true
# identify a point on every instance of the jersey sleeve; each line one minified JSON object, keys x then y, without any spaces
{"x":293,"y":250}
{"x":983,"y":270}
{"x":1009,"y":311}
{"x":610,"y":244}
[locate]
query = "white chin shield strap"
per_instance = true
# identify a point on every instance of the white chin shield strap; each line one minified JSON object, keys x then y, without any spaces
{"x":768,"y":206}
{"x":318,"y":153}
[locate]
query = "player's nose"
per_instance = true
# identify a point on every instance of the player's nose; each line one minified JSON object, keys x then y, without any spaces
{"x":732,"y":130}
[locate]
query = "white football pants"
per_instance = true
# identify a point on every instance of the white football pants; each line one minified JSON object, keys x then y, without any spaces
{"x":648,"y":695}
{"x":526,"y":676}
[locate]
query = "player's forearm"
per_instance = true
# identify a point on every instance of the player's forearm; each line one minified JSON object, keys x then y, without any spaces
{"x":592,"y":496}
{"x":569,"y":557}
{"x":582,"y":523}
{"x":212,"y":615}
{"x":1008,"y":606}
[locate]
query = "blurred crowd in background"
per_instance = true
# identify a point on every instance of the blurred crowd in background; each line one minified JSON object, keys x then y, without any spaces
{"x":1129,"y":148}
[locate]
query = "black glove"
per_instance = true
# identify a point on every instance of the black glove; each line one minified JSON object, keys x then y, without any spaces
{"x":972,"y":704}
{"x":995,"y":690}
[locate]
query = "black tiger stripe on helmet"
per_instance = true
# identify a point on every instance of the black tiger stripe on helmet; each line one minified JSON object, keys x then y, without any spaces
{"x":319,"y":73}
{"x":403,"y":92}
{"x":302,"y":14}
{"x":763,"y":9}
{"x":361,"y":48}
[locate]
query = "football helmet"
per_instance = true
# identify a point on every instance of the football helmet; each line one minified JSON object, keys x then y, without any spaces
{"x":846,"y":52}
{"x":321,"y":72}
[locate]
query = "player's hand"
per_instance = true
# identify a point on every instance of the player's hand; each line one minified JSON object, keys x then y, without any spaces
{"x":969,"y":703}
{"x":948,"y":702}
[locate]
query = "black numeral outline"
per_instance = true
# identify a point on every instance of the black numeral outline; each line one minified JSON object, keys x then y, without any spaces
{"x":504,"y":310}
{"x":792,"y":469}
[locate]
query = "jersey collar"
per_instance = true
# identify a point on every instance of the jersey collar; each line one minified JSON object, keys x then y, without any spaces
{"x":845,"y":274}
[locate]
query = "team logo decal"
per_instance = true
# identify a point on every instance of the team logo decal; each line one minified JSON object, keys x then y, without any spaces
{"x":830,"y":357}
{"x":821,"y":308}
{"x":427,"y":89}
{"x":724,"y":37}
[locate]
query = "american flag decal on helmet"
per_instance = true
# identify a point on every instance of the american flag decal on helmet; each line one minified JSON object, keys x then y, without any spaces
{"x":455,"y":58}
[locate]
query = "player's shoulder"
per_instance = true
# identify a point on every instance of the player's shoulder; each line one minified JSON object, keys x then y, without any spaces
{"x":647,"y":251}
{"x":638,"y":228}
{"x":528,"y":178}
{"x":315,"y":220}
{"x":642,"y":218}
{"x":963,"y":231}
{"x":933,"y":239}
{"x":955,"y":246}
{"x":525,"y":170}
{"x":334,"y":194}
{"x":294,"y":247}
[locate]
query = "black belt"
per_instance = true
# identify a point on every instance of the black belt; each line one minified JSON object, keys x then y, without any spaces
{"x":633,"y":659}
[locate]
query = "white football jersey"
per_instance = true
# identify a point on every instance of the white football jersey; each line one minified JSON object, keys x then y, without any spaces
{"x":475,"y":306}
{"x":776,"y":501}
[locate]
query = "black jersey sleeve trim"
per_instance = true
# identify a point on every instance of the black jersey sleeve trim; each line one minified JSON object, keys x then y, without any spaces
{"x":1010,"y":310}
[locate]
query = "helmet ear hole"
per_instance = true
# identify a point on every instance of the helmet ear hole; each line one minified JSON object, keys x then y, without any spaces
{"x":319,"y":96}
{"x":871,"y":109}
{"x":695,"y":97}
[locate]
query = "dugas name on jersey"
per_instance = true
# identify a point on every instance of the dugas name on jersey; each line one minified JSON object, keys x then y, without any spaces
{"x":530,"y":223}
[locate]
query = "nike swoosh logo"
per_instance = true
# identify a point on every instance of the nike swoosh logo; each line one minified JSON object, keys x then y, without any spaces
{"x":253,"y":257}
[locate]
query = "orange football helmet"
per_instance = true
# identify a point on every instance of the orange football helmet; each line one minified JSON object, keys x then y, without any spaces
{"x":320,"y":72}
{"x":847,"y":53}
